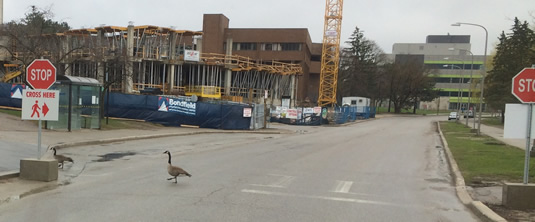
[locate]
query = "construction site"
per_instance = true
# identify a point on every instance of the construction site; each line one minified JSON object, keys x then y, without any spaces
{"x":278,"y":72}
{"x":160,"y":61}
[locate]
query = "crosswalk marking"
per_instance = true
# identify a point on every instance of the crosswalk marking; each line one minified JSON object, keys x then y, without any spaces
{"x":342,"y":186}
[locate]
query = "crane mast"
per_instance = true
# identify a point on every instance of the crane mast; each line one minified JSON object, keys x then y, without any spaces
{"x":330,"y":53}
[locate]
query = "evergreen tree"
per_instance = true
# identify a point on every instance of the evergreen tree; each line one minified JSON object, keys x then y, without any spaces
{"x":359,"y":74}
{"x":514,"y":52}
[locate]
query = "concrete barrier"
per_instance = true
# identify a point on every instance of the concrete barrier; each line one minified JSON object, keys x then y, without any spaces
{"x":518,"y":196}
{"x":39,"y":170}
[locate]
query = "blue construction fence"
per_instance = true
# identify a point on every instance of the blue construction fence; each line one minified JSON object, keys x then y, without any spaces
{"x":344,"y":114}
{"x":158,"y":109}
{"x":10,"y":95}
{"x":176,"y":112}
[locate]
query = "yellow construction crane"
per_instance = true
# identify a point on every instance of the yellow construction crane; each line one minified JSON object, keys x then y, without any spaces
{"x":330,"y":52}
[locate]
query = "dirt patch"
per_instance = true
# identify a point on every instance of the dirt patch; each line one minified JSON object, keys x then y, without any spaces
{"x":513,"y":215}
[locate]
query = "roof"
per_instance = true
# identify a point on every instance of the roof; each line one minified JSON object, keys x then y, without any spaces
{"x":78,"y":80}
{"x":81,"y":31}
{"x":112,"y":28}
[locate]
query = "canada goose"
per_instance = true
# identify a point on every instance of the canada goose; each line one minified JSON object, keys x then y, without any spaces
{"x":174,"y":170}
{"x":61,"y":158}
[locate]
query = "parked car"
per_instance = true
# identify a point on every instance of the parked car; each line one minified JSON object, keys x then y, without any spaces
{"x":469,"y":114}
{"x":453,"y":115}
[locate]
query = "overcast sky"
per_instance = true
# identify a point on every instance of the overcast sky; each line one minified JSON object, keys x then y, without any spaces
{"x":384,"y":21}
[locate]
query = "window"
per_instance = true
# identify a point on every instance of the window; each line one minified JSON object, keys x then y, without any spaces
{"x":442,"y":80}
{"x":315,"y":58}
{"x":244,"y":46}
{"x":290,"y":46}
{"x":444,"y":93}
{"x":270,"y":47}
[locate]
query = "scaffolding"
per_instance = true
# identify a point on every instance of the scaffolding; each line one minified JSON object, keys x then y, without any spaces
{"x":153,"y":57}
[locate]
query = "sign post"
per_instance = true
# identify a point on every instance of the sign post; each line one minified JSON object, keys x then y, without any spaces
{"x":40,"y":104}
{"x":524,"y":90}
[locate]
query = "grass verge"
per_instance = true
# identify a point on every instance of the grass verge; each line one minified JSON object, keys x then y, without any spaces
{"x":492,"y":121}
{"x":127,"y":124}
{"x":482,"y":158}
{"x":11,"y":112}
{"x":112,"y":122}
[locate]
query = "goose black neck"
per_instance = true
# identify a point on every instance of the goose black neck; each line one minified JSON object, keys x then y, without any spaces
{"x":54,"y":151}
{"x":169,"y":158}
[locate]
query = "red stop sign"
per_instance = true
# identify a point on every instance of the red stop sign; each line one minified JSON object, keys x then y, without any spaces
{"x":41,"y":74}
{"x":524,"y":85}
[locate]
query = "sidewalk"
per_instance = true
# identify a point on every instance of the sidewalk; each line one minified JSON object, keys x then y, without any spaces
{"x":497,"y":133}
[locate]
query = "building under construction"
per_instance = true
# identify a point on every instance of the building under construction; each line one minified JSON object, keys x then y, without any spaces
{"x":218,"y":63}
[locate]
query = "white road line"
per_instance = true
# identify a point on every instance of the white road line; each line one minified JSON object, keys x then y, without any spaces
{"x":283,"y":182}
{"x":342,"y":186}
{"x":351,"y":200}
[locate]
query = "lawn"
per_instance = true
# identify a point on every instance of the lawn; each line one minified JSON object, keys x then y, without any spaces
{"x":126,"y":124}
{"x":492,"y":121}
{"x":10,"y":112}
{"x":482,"y":158}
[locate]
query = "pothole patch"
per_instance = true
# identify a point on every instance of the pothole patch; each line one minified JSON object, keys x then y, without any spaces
{"x":113,"y":156}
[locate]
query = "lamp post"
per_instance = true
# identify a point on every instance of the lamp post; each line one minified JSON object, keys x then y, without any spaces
{"x":470,"y":87}
{"x":484,"y":72}
{"x":459,"y":95}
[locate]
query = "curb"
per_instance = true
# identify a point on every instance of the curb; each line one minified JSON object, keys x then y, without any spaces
{"x":9,"y":174}
{"x":480,"y":209}
{"x":128,"y":138}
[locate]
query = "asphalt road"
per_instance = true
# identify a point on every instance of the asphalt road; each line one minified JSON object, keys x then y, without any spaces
{"x":391,"y":169}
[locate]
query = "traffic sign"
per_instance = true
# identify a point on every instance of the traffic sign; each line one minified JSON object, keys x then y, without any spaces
{"x":41,"y":74}
{"x":40,"y":105}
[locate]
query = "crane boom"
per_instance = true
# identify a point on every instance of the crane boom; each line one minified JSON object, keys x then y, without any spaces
{"x":330,"y":53}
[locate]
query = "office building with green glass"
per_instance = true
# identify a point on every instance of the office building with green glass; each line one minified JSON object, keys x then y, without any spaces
{"x":455,"y":69}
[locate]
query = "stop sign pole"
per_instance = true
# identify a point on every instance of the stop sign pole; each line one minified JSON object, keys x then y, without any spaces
{"x":40,"y":74}
{"x":524,"y":90}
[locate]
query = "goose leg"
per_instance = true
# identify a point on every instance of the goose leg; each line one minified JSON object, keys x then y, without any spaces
{"x":169,"y":178}
{"x":175,"y":180}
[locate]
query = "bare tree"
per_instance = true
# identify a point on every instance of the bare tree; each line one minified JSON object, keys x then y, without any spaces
{"x":409,"y":83}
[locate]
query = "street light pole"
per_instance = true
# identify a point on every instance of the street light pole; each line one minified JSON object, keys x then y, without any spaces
{"x":459,"y":95}
{"x":484,"y":71}
{"x":470,"y":89}
{"x":470,"y":86}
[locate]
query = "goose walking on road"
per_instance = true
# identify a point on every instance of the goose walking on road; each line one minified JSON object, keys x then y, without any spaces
{"x":174,"y":170}
{"x":61,"y":158}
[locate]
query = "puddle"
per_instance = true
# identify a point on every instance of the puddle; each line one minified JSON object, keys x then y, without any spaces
{"x":113,"y":156}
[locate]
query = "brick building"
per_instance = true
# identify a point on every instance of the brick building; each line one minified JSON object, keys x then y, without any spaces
{"x":289,"y":45}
